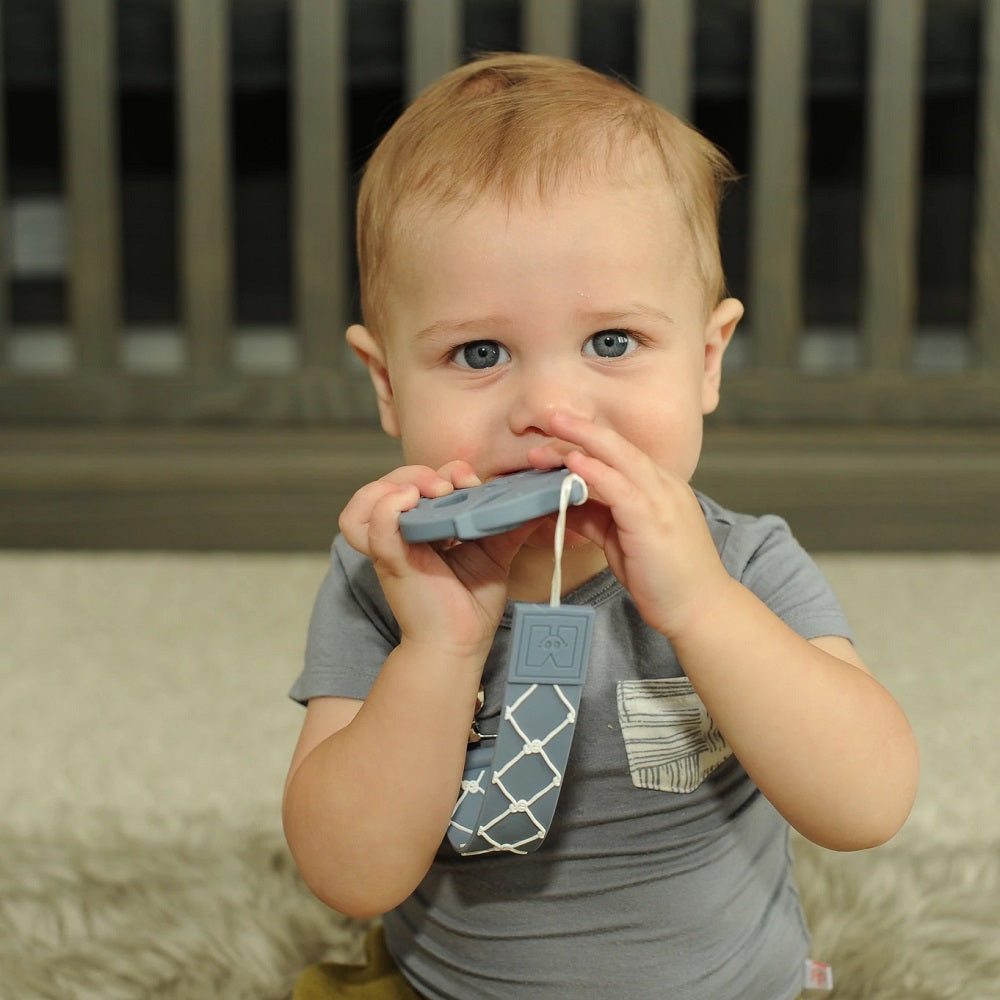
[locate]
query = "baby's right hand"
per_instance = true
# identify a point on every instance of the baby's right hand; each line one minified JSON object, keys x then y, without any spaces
{"x":449,"y":594}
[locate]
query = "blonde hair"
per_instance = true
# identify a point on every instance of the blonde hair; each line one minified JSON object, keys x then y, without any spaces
{"x":510,"y":125}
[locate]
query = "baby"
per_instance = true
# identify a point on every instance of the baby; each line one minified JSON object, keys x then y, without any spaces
{"x":541,"y":288}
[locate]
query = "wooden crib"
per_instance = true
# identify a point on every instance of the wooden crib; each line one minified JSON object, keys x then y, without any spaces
{"x":208,"y":401}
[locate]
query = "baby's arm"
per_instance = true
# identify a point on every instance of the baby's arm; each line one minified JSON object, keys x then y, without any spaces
{"x":372,"y":785}
{"x":821,"y":738}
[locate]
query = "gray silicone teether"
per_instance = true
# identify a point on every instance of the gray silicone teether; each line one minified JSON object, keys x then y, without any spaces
{"x":490,"y":509}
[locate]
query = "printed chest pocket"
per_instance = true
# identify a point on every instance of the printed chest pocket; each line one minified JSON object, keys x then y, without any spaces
{"x":671,"y":741}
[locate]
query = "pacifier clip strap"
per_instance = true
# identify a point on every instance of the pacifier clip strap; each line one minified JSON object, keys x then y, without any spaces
{"x":510,"y":789}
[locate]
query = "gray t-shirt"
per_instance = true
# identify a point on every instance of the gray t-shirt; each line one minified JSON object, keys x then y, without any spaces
{"x":658,"y":878}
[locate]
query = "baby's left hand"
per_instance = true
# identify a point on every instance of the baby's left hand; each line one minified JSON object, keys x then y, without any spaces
{"x":648,"y":522}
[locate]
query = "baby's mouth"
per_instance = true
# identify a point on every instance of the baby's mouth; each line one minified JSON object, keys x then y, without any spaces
{"x":562,"y":448}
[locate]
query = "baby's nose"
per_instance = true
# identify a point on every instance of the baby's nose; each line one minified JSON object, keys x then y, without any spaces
{"x":539,"y":394}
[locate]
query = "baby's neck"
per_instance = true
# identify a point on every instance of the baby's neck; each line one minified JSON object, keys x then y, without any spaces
{"x":530,"y":578}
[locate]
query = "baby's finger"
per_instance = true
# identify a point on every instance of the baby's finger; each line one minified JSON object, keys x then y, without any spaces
{"x":356,"y":518}
{"x":592,"y":520}
{"x":502,"y":548}
{"x":357,"y":511}
{"x":385,"y":541}
{"x":598,"y":441}
{"x":429,"y":482}
{"x":356,"y":515}
{"x":460,"y":474}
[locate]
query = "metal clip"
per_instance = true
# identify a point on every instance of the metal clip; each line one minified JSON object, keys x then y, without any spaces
{"x":475,"y":736}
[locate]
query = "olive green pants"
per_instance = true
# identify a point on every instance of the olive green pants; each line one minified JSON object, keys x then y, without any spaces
{"x":378,"y":979}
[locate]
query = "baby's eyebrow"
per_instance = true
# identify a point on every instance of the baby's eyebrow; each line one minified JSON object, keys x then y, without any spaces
{"x":630,"y":314}
{"x":482,"y":327}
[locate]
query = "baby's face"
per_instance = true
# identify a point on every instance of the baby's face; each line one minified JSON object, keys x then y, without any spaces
{"x":588,"y":303}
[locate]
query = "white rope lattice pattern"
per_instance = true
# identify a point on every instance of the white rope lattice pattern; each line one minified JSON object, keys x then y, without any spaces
{"x":530,"y":747}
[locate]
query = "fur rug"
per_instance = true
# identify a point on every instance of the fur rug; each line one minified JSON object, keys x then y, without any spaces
{"x":906,"y":921}
{"x":147,"y":732}
{"x":210,"y":912}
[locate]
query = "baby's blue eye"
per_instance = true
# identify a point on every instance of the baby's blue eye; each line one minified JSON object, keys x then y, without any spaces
{"x":480,"y":354}
{"x":610,"y":344}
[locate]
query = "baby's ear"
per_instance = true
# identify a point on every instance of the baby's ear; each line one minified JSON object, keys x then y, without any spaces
{"x":369,"y":348}
{"x":718,"y":332}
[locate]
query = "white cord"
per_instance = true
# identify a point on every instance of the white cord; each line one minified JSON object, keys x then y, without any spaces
{"x":565,"y":493}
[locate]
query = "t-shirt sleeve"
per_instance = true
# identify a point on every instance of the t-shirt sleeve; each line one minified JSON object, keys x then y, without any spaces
{"x":351,"y":631}
{"x":763,"y":554}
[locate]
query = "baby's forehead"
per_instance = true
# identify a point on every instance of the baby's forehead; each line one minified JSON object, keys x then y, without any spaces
{"x":643,"y":198}
{"x":580,"y":239}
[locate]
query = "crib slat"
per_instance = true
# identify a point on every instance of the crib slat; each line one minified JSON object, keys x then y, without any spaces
{"x":892,"y":179}
{"x":777,"y":180}
{"x":433,"y":41}
{"x":665,"y":47}
{"x":986,"y":248}
{"x":319,"y":41}
{"x":549,"y":26}
{"x":206,"y":264}
{"x":91,"y":170}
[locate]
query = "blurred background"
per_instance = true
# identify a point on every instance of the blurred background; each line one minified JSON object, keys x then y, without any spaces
{"x":177,"y":183}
